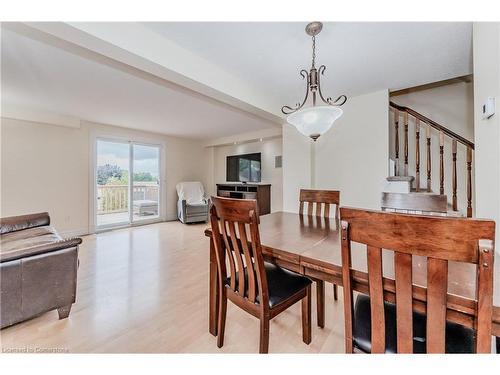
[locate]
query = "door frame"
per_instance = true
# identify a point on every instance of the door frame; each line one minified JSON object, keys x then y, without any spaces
{"x":130,"y":140}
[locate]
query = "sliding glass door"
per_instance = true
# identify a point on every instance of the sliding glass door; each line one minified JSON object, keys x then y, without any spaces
{"x":112,"y":178}
{"x":145,"y":182}
{"x":127,"y":183}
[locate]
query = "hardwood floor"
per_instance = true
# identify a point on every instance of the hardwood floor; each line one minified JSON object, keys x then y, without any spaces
{"x":145,"y":290}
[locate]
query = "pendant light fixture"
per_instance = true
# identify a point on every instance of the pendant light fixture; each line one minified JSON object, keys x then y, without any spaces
{"x":314,"y":120}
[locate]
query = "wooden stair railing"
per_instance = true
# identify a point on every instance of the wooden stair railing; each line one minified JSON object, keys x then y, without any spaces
{"x":421,"y":120}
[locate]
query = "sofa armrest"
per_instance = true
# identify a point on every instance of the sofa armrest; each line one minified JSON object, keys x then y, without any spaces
{"x":40,"y":249}
{"x":17,"y":223}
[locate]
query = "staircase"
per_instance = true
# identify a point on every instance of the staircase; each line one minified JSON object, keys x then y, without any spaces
{"x":416,"y":173}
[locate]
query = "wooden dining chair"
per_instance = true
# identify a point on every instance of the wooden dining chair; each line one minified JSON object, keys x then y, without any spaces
{"x":417,"y":203}
{"x":318,"y":204}
{"x":415,"y":320}
{"x":262,"y":289}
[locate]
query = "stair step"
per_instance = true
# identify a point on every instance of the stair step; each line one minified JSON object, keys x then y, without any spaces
{"x":400,"y":178}
{"x":398,"y":184}
{"x":419,"y":201}
{"x":423,"y":191}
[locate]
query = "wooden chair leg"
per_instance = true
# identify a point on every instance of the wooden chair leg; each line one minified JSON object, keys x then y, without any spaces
{"x":306,"y":317}
{"x":320,"y":301}
{"x":213,"y":311}
{"x":264,"y":335}
{"x":335,"y":292}
{"x":221,"y":323}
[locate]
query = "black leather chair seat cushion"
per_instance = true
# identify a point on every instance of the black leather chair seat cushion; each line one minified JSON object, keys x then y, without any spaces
{"x":281,"y":283}
{"x":459,"y":339}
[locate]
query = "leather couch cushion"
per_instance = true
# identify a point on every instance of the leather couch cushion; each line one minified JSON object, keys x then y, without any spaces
{"x":32,"y":241}
{"x":281,"y":283}
{"x":31,"y":234}
{"x":16,"y":223}
{"x":459,"y":339}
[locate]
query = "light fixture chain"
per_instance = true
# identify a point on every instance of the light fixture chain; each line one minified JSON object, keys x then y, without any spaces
{"x":313,"y":51}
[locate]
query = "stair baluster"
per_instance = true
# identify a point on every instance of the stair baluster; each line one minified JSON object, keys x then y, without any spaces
{"x":441,"y":163}
{"x":417,"y":154}
{"x":469,"y":182}
{"x":428,"y":136}
{"x":396,"y":127}
{"x":454,"y":171}
{"x":406,"y":143}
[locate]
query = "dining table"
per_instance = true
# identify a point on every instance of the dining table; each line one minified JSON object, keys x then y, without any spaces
{"x":311,"y":246}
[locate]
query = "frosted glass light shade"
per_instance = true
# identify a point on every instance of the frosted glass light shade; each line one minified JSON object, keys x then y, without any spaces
{"x":314,"y":121}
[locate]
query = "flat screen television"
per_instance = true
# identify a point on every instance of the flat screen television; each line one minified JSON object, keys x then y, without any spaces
{"x":243,"y":168}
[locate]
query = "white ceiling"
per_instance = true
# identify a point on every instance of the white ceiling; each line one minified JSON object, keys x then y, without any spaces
{"x":360,"y":58}
{"x":39,"y":76}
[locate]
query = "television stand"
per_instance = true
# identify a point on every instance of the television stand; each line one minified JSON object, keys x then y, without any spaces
{"x":260,"y":192}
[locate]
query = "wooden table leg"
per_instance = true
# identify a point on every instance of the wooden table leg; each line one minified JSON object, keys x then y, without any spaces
{"x":213,"y":292}
{"x":320,"y":302}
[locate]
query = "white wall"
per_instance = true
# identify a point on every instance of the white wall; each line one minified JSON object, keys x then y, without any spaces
{"x":48,"y":168}
{"x":351,"y":157}
{"x":45,"y":168}
{"x":486,"y":132}
{"x":296,"y":166}
{"x":269,"y":149}
{"x":450,"y":105}
{"x":453,"y":107}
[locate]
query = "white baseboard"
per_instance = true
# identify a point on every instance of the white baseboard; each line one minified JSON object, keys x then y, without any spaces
{"x":86,"y":231}
{"x":171,"y":217}
{"x":74,"y":233}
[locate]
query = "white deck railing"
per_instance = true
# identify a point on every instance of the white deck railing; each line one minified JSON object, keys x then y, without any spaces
{"x":114,"y":198}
